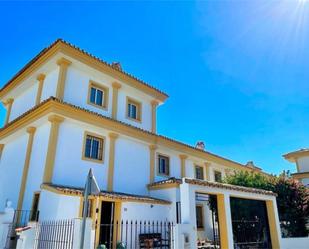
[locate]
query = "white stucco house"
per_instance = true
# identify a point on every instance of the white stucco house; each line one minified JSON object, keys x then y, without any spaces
{"x":68,"y":111}
{"x":301,"y":159}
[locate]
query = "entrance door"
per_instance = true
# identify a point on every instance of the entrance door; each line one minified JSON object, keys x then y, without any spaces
{"x":106,"y":224}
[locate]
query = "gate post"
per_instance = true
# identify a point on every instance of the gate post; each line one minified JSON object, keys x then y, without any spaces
{"x":188,"y":215}
{"x":225,"y":221}
{"x":273,"y":222}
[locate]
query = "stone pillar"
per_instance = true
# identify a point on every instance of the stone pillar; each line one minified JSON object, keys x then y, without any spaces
{"x":154,"y":105}
{"x":8,"y":103}
{"x":55,"y":121}
{"x":111,"y":161}
{"x":1,"y":150}
{"x":183,"y":165}
{"x":63,"y":64}
{"x":152,"y":162}
{"x":207,"y":169}
{"x":116,"y":86}
{"x":40,"y":79}
{"x":225,"y":221}
{"x":30,"y":131}
{"x":273,"y":222}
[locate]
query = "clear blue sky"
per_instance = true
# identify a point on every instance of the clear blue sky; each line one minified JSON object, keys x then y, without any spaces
{"x":237,"y":72}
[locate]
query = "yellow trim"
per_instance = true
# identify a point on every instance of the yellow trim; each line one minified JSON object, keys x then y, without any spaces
{"x":106,"y":123}
{"x":105,"y":91}
{"x":84,"y":147}
{"x":183,"y":164}
{"x":152,"y":159}
{"x":8,"y":103}
{"x":300,"y":175}
{"x":164,"y":186}
{"x":111,"y":161}
{"x":154,"y":104}
{"x":293,"y":156}
{"x":272,"y":224}
{"x":98,"y":221}
{"x":203,"y":221}
{"x":40,"y":79}
{"x":138,"y":105}
{"x":117,"y":217}
{"x":52,"y":147}
{"x":103,"y":198}
{"x":169,"y":164}
{"x":85,"y":58}
{"x":223,"y":231}
{"x":1,"y":150}
{"x":207,"y":171}
{"x":30,"y":131}
{"x":116,"y":86}
{"x":63,"y":64}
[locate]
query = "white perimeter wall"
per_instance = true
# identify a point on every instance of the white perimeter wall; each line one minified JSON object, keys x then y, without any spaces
{"x":146,"y":212}
{"x":56,"y":207}
{"x":295,"y":243}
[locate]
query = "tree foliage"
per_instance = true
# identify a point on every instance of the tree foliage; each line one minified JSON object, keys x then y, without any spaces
{"x":292,"y":199}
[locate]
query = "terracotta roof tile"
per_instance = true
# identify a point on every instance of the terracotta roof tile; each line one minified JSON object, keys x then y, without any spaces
{"x":228,"y":186}
{"x":84,"y":52}
{"x":70,"y":190}
{"x":120,"y":122}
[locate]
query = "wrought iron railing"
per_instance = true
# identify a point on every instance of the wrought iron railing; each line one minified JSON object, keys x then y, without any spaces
{"x":137,"y":234}
{"x":54,"y":234}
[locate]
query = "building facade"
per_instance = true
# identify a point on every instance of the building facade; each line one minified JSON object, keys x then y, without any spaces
{"x":68,"y":111}
{"x":301,"y":159}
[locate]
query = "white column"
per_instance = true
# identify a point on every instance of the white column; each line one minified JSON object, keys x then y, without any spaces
{"x":188,"y":213}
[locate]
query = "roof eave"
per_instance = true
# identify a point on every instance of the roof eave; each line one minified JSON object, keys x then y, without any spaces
{"x":65,"y":47}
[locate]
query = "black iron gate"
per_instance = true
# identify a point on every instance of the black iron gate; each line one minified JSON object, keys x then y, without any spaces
{"x":250,"y":224}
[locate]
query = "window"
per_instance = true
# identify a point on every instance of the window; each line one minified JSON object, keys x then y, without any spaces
{"x":93,"y":147}
{"x":218,"y":176}
{"x":133,"y":109}
{"x":199,"y":217}
{"x":199,"y":172}
{"x":98,"y":95}
{"x":35,"y":207}
{"x":163,"y":165}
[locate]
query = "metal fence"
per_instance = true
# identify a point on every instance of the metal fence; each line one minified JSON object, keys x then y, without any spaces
{"x":54,"y":234}
{"x":137,"y":234}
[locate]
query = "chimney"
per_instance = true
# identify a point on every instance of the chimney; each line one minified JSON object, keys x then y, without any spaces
{"x":116,"y":65}
{"x":250,"y":164}
{"x":200,"y":145}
